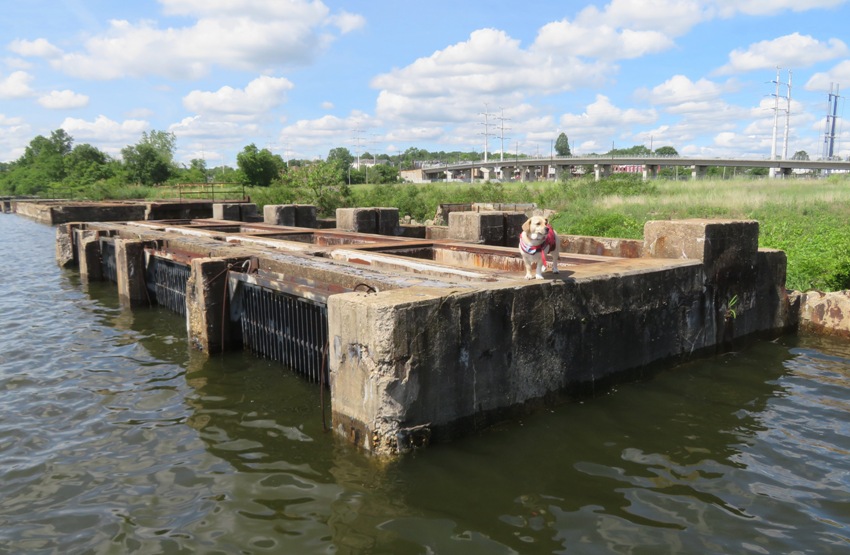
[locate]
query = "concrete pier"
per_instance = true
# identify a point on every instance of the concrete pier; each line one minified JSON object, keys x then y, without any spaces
{"x":426,"y":340}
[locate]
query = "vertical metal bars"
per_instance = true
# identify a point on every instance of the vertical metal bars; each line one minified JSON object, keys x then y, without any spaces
{"x":107,"y":258}
{"x":166,"y":282}
{"x":286,"y":328}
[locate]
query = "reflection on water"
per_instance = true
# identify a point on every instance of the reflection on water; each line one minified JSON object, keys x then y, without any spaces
{"x":116,"y":437}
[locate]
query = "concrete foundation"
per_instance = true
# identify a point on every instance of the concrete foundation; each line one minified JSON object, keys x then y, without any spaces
{"x":430,"y":339}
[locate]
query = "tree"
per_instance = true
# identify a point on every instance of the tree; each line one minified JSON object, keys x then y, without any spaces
{"x":151,"y":160}
{"x":562,"y":145}
{"x":320,"y":184}
{"x":666,"y":151}
{"x":340,"y":157}
{"x":86,"y":164}
{"x":260,"y":167}
{"x":800,"y":155}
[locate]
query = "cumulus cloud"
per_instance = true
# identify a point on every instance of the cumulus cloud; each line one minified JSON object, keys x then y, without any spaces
{"x":248,"y":35}
{"x":260,"y":96}
{"x":824,"y":81}
{"x":40,"y":48}
{"x":794,"y":50}
{"x":105,"y":130}
{"x":60,"y":100}
{"x":16,"y":85}
{"x":680,"y":90}
{"x":452,"y":84}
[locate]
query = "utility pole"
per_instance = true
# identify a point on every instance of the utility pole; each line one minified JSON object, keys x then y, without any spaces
{"x":787,"y":118}
{"x":502,"y":136}
{"x":486,"y":115}
{"x":772,"y":172}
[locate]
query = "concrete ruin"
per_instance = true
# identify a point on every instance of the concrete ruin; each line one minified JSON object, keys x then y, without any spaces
{"x":423,"y":339}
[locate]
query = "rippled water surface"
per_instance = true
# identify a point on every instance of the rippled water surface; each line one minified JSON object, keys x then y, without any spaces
{"x":117,"y":437}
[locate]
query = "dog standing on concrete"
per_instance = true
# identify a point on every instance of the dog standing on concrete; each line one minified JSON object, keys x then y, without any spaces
{"x":536,"y":240}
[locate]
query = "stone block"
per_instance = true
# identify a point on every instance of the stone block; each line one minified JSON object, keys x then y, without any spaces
{"x":513,"y":227}
{"x":279,"y":214}
{"x":227,"y":211}
{"x":305,"y":216}
{"x":722,"y":245}
{"x":359,"y":220}
{"x":477,"y":227}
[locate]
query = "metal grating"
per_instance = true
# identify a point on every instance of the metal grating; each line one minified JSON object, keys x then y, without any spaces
{"x":286,"y":328}
{"x":107,"y":258}
{"x":166,"y":282}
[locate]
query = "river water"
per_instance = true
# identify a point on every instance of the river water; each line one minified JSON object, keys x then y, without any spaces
{"x":117,"y":437}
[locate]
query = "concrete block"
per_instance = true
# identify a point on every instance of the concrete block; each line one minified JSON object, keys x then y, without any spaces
{"x":305,"y":216}
{"x":360,"y":220}
{"x":89,"y":255}
{"x":279,"y":214}
{"x":66,"y":255}
{"x":722,"y":245}
{"x":386,"y":221}
{"x":513,"y":227}
{"x":227,"y":211}
{"x":477,"y":227}
{"x":826,"y":313}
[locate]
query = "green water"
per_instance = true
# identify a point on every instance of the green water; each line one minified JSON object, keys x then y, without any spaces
{"x":117,"y":437}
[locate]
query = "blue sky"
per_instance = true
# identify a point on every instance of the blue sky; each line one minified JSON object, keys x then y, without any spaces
{"x":380,"y":76}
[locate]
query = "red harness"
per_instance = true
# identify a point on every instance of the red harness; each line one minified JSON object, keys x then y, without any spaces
{"x":547,"y":245}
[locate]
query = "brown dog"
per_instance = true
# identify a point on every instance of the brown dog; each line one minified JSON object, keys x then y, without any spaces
{"x":536,"y":240}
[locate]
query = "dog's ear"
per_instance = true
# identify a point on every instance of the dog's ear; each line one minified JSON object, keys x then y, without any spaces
{"x":546,"y":221}
{"x":527,"y":225}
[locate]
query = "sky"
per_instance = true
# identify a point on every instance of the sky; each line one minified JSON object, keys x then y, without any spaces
{"x":711,"y":78}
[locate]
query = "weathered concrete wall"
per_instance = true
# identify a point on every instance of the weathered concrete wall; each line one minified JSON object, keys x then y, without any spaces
{"x":53,"y":213}
{"x":825,"y":313}
{"x":601,"y":246}
{"x":413,"y":365}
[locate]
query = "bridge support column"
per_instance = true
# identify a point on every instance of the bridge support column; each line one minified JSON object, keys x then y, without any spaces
{"x":562,"y":172}
{"x":650,"y":171}
{"x":698,"y":172}
{"x":601,"y":170}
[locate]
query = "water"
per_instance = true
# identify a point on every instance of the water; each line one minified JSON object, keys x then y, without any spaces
{"x":117,"y":437}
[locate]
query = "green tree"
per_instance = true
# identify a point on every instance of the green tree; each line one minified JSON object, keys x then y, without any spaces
{"x":144,"y":164}
{"x":151,"y":160}
{"x":800,"y":155}
{"x":341,"y":157}
{"x":86,"y":164}
{"x":320,"y":184}
{"x":260,"y":167}
{"x":666,"y":151}
{"x":562,"y":145}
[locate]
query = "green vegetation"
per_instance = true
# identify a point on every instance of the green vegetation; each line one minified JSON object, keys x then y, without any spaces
{"x":808,"y":219}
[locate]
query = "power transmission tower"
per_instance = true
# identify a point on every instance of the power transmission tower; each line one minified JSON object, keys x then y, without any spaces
{"x":486,"y":115}
{"x":502,"y":120}
{"x":831,"y":120}
{"x":787,"y":99}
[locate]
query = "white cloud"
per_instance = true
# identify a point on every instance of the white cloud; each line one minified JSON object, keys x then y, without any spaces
{"x":40,"y":48}
{"x":794,"y":50}
{"x":61,"y":100}
{"x":729,"y":8}
{"x":347,"y":22}
{"x":824,"y":81}
{"x":679,"y":89}
{"x":105,"y":130}
{"x":259,"y":97}
{"x":453,"y":84}
{"x":248,"y":35}
{"x":16,"y":85}
{"x":603,"y":116}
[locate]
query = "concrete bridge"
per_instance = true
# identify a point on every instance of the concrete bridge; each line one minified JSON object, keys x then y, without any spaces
{"x":532,"y":169}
